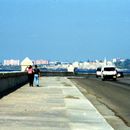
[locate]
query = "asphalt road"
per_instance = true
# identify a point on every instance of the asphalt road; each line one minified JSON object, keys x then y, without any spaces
{"x":114,"y":94}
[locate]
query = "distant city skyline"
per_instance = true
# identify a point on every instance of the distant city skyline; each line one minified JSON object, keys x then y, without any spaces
{"x":18,"y":62}
{"x":64,"y":30}
{"x":45,"y":61}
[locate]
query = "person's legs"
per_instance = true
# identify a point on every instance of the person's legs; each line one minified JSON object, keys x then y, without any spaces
{"x":29,"y":79}
{"x":32,"y":78}
{"x":36,"y":80}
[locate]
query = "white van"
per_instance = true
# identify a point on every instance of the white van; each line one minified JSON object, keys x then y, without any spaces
{"x":108,"y":72}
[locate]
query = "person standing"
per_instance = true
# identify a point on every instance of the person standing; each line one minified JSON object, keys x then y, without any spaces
{"x":30,"y":75}
{"x":36,"y":76}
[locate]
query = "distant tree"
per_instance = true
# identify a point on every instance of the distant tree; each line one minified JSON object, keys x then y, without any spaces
{"x":127,"y":63}
{"x":88,"y":60}
{"x":123,"y":64}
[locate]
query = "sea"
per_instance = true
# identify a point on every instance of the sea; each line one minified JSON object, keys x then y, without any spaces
{"x":80,"y":71}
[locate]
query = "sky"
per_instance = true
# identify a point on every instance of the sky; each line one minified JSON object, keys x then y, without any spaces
{"x":64,"y":30}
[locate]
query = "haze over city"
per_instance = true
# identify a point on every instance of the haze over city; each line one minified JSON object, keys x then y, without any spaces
{"x":64,"y":30}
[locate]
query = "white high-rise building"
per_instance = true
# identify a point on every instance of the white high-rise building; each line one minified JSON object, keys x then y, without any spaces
{"x":41,"y":62}
{"x":11,"y":62}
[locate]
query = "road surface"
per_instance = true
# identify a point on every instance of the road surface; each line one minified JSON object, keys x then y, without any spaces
{"x":114,"y":94}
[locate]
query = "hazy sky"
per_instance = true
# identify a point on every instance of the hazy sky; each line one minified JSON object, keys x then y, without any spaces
{"x":64,"y":30}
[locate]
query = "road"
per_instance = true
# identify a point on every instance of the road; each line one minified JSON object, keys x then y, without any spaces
{"x":114,"y":94}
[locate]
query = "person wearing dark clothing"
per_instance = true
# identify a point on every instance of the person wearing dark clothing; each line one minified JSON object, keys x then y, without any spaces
{"x":30,"y":75}
{"x":36,"y":76}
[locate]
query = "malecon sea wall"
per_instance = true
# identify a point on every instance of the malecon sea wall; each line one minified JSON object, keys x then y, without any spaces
{"x":12,"y":80}
{"x":65,"y":74}
{"x":16,"y":79}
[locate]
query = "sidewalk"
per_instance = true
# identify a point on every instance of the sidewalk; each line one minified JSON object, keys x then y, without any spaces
{"x":56,"y":105}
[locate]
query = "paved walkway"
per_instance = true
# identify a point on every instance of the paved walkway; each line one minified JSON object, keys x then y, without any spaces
{"x":56,"y":105}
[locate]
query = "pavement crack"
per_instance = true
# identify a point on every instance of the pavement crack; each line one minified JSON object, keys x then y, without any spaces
{"x":73,"y":97}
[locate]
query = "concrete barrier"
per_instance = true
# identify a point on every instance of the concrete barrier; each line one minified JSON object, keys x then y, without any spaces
{"x":12,"y":80}
{"x":16,"y":79}
{"x":56,"y":73}
{"x":65,"y":74}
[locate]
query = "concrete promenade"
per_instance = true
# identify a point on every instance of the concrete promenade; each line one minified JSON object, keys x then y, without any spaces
{"x":56,"y":105}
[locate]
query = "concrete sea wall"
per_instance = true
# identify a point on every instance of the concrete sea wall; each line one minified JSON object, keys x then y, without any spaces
{"x":64,"y":74}
{"x":12,"y":80}
{"x":16,"y":79}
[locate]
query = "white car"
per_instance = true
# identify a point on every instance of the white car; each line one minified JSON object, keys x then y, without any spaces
{"x":109,"y":72}
{"x":98,"y":72}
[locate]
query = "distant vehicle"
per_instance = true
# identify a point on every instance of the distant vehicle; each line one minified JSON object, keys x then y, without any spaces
{"x":98,"y":72}
{"x":108,"y":72}
{"x":120,"y":74}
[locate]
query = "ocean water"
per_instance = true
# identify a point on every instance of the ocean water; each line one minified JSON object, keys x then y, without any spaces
{"x":89,"y":71}
{"x":6,"y":71}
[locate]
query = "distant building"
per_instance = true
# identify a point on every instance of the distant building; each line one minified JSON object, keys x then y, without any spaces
{"x":75,"y":64}
{"x":41,"y":62}
{"x":118,"y":60}
{"x":11,"y":62}
{"x":25,"y":63}
{"x":70,"y":68}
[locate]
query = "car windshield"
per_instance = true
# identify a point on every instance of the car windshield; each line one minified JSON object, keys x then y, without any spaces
{"x":109,"y":69}
{"x":98,"y":69}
